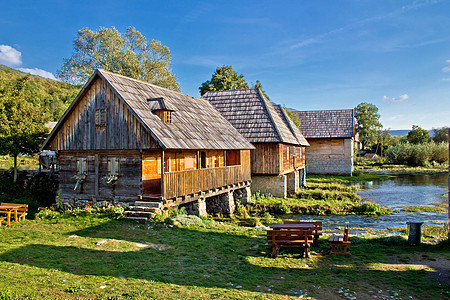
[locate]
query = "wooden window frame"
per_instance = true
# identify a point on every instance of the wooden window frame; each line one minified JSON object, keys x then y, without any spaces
{"x":100,"y":117}
{"x":82,"y":166}
{"x":113,"y":166}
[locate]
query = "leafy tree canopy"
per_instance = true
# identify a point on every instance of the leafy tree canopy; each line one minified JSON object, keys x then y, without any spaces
{"x":129,"y":55}
{"x":293,"y":117}
{"x":440,"y":135}
{"x":55,"y":96}
{"x":22,"y":125}
{"x":368,"y":124}
{"x":418,"y":135}
{"x":225,"y":78}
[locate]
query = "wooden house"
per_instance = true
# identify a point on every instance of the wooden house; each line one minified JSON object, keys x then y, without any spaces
{"x":331,"y":134}
{"x":278,"y":160}
{"x":123,"y":140}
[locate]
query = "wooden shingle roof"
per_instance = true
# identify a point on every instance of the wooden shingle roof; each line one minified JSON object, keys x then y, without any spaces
{"x":327,"y":123}
{"x":196,"y":124}
{"x":255,"y":117}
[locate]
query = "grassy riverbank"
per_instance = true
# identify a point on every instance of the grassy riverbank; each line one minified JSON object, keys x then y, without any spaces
{"x":323,"y":195}
{"x":94,"y":257}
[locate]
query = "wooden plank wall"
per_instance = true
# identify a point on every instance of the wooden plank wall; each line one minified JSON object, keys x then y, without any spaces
{"x":299,"y":157}
{"x":326,"y":147}
{"x":128,"y":185}
{"x":121,"y":131}
{"x":265,"y":159}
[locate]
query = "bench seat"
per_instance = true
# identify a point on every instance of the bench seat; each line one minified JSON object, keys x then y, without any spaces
{"x":340,"y":241}
{"x":289,"y":238}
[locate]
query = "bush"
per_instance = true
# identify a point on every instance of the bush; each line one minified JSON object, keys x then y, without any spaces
{"x":36,"y":190}
{"x":417,"y":154}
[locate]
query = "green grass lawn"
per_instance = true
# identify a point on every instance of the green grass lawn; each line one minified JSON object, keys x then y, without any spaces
{"x":92,"y":257}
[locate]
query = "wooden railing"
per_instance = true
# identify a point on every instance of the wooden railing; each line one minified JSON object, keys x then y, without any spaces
{"x":182,"y":183}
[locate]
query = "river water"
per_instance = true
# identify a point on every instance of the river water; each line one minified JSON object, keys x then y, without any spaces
{"x":396,"y":192}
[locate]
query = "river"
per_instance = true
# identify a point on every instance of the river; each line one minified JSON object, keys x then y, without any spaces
{"x":396,"y":192}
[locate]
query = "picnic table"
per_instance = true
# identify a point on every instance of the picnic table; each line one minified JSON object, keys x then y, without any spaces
{"x":9,"y":208}
{"x":290,"y":235}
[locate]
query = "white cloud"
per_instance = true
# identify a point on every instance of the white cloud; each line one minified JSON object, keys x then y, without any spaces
{"x":400,"y":98}
{"x":10,"y":56}
{"x":446,"y":68}
{"x":39,"y":72}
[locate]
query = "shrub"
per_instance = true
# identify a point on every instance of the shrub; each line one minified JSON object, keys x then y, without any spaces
{"x":417,"y":154}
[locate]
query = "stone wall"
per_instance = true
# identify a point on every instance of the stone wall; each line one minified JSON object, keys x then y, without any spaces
{"x":273,"y":185}
{"x":329,"y":164}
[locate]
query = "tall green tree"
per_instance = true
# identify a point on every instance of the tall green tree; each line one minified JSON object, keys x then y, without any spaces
{"x":368,"y":124}
{"x":129,"y":55}
{"x":258,"y":85}
{"x":440,"y":134}
{"x":22,"y":125}
{"x":225,"y":78}
{"x":293,"y":117}
{"x":418,"y":135}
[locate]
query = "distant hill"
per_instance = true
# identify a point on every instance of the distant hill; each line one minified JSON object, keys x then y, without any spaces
{"x":53,"y":94}
{"x":399,"y":132}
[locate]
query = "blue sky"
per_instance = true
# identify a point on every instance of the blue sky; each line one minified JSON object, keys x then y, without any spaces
{"x":308,"y":55}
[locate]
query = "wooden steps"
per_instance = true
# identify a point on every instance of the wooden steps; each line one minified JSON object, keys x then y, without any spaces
{"x":143,"y":210}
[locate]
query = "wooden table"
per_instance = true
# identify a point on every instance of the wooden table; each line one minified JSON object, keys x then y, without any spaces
{"x":8,"y":209}
{"x":290,"y":235}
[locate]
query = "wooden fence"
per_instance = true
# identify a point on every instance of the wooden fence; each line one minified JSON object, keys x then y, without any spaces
{"x":182,"y":183}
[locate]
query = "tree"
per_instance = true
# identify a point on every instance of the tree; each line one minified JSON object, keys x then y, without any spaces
{"x":225,"y":78}
{"x":22,"y":125}
{"x":129,"y":55}
{"x":418,"y":135}
{"x":440,"y":135}
{"x":293,"y":117}
{"x":258,"y":85}
{"x":368,"y":125}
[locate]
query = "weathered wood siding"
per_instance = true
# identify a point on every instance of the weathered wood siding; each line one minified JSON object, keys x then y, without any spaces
{"x":121,"y":129}
{"x":182,"y":183}
{"x":127,"y":187}
{"x":266,"y":158}
{"x":326,"y":146}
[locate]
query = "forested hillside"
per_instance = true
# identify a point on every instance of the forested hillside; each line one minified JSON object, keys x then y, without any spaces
{"x":52,"y":94}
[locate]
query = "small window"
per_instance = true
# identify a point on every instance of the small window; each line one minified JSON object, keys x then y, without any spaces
{"x":293,"y":151}
{"x":168,"y":117}
{"x":189,"y":161}
{"x":287,"y":152}
{"x":81,"y":166}
{"x":100,"y":117}
{"x":113,"y":166}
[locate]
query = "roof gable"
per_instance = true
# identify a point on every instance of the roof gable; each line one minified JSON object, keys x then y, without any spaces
{"x":253,"y":116}
{"x":326,"y":123}
{"x":196,"y":124}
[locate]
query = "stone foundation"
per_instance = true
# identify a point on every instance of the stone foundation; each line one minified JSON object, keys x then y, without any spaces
{"x":224,"y":204}
{"x":273,"y":185}
{"x":329,"y":164}
{"x":293,"y":182}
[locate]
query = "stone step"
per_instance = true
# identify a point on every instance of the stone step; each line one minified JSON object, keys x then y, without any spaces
{"x":148,"y":204}
{"x":145,"y":214}
{"x":136,"y":218}
{"x":143,"y":208}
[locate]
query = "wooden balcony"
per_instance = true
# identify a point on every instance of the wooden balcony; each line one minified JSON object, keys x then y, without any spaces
{"x":182,"y":183}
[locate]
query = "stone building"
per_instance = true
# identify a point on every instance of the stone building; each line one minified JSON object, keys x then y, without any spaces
{"x":278,"y":160}
{"x":331,"y":134}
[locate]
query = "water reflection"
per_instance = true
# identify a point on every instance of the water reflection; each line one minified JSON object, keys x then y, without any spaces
{"x":402,"y":190}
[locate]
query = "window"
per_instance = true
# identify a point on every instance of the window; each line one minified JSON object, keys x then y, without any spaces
{"x":189,"y":161}
{"x":100,"y":117}
{"x":287,"y":152}
{"x":233,"y":158}
{"x":168,"y":117}
{"x":82,"y":166}
{"x":113,"y":166}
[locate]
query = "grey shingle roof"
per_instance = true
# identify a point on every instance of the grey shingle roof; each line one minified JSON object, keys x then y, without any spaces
{"x":196,"y":124}
{"x":255,"y":117}
{"x":326,"y":123}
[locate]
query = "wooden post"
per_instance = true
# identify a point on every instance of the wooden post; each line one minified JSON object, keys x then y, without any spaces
{"x":448,"y":196}
{"x":96,"y":175}
{"x":162,"y":174}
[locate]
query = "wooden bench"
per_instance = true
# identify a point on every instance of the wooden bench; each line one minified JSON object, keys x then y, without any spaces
{"x":340,"y":241}
{"x":317,"y":229}
{"x":278,"y":238}
{"x":21,"y":211}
